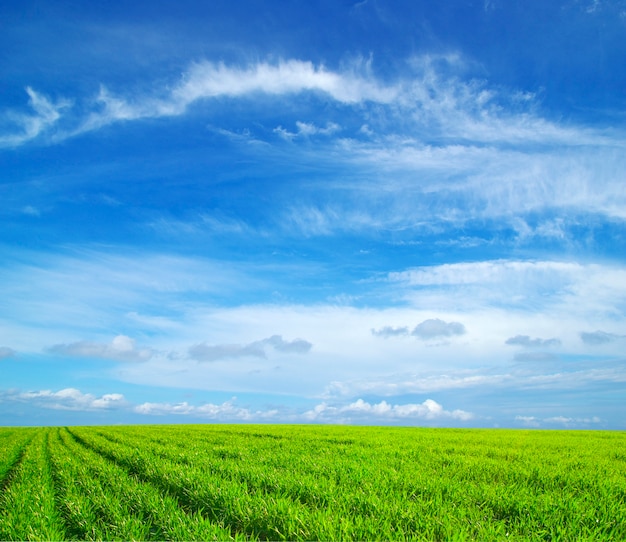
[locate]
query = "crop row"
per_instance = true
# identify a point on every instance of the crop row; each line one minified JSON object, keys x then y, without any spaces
{"x":310,"y":482}
{"x":27,"y":507}
{"x":356,"y":483}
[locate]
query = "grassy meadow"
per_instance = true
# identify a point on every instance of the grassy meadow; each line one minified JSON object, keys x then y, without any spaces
{"x":248,"y":482}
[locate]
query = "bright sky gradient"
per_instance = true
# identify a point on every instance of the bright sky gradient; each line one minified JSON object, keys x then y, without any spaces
{"x":380,"y":211}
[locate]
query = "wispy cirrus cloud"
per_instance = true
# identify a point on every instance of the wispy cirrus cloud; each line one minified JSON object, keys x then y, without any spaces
{"x":44,"y":115}
{"x":431,"y":98}
{"x":307,"y":129}
{"x":532,"y":285}
{"x":203,"y":80}
{"x":448,"y":148}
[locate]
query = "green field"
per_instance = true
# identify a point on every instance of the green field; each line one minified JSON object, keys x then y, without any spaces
{"x":310,"y":483}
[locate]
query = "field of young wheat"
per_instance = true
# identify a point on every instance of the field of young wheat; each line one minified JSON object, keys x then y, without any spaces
{"x":243,"y":482}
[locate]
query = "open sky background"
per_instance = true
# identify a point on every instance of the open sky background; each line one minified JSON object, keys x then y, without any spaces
{"x":383,"y":212}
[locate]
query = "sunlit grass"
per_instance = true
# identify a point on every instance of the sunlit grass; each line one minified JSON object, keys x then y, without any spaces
{"x":311,"y":483}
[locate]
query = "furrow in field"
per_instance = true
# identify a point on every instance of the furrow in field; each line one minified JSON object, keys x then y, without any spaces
{"x":114,"y":504}
{"x":83,"y":504}
{"x":12,"y":448}
{"x":304,"y":470}
{"x":372,"y":483}
{"x":224,"y":501}
{"x":28,"y":503}
{"x":317,"y":489}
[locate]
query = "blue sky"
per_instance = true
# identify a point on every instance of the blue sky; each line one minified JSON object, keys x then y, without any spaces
{"x":381,"y":212}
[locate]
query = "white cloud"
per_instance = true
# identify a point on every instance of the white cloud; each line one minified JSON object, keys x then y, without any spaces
{"x":316,"y":220}
{"x":569,"y":287}
{"x":208,"y":80}
{"x":86,"y":291}
{"x":67,"y":297}
{"x":428,"y":95}
{"x":307,"y":129}
{"x":445,"y":149}
{"x":360,"y":409}
{"x":493,"y":271}
{"x":427,"y":185}
{"x":121,"y":348}
{"x":225,"y":411}
{"x":67,"y":399}
{"x":46,"y":115}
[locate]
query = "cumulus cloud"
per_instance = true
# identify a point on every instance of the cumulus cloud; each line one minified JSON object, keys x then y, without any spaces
{"x":526,"y":341}
{"x":68,"y":399}
{"x":226,"y":411}
{"x":121,"y":348}
{"x":360,"y":409}
{"x":595,"y":338}
{"x":258,"y":349}
{"x":435,"y":328}
{"x":6,"y":352}
{"x":389,"y":331}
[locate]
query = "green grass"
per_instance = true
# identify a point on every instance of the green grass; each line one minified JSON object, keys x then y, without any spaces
{"x":220,"y":482}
